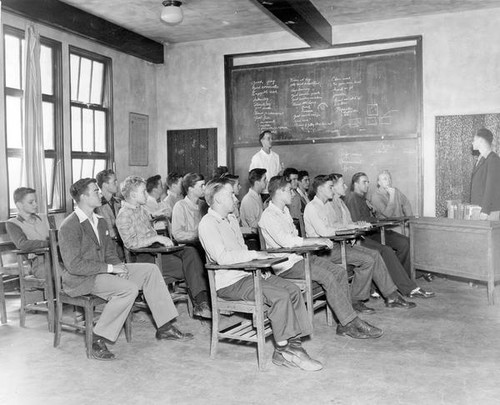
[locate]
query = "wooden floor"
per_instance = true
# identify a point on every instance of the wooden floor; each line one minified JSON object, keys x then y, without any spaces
{"x":445,"y":351}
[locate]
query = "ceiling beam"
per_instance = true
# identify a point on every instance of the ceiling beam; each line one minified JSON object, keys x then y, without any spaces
{"x":302,"y":18}
{"x":68,"y":18}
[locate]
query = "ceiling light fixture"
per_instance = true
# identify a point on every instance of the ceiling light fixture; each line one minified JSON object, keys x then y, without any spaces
{"x":172,"y":12}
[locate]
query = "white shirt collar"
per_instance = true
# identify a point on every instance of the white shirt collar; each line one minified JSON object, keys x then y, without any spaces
{"x":83,"y":217}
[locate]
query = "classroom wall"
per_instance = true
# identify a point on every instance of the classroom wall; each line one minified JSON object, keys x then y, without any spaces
{"x":461,"y":69}
{"x":134,"y":90}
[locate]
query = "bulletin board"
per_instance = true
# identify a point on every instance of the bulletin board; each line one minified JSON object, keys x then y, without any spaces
{"x":138,"y":139}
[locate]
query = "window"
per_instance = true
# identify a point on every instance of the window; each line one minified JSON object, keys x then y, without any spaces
{"x":90,"y":113}
{"x":50,"y":67}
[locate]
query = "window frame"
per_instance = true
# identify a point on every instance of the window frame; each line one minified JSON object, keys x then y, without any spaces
{"x":57,"y":154}
{"x":106,"y":107}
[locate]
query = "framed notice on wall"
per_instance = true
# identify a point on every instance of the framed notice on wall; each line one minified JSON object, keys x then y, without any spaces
{"x":138,"y":139}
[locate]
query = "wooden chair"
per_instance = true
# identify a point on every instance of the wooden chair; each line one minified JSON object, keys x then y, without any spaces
{"x":29,"y":283}
{"x":255,"y":330}
{"x":87,"y":302}
{"x":9,"y":272}
{"x":3,"y":305}
{"x":315,"y":296}
{"x":178,"y":289}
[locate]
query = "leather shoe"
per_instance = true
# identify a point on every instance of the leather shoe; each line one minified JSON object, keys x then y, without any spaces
{"x":173,"y":333}
{"x":361,"y":308}
{"x":279,"y":360}
{"x":100,"y":351}
{"x":399,"y":302}
{"x":429,"y":277}
{"x":202,"y":310}
{"x":359,"y":329}
{"x":298,"y":357}
{"x":421,"y":293}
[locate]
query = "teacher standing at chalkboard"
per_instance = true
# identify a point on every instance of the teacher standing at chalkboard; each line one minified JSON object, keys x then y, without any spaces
{"x":266,"y":159}
{"x":485,"y":184}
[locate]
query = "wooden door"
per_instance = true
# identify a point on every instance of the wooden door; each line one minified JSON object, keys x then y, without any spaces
{"x":192,"y":150}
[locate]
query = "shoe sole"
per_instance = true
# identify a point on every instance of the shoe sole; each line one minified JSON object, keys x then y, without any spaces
{"x":103,"y":358}
{"x":362,"y":336}
{"x":303,"y":365}
{"x":399,"y":306}
{"x":284,"y":363}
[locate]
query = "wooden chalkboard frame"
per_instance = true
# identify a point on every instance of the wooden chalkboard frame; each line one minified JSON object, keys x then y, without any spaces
{"x":413,"y":43}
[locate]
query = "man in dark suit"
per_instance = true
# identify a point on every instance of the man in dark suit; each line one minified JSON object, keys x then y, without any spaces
{"x":91,"y":266}
{"x":485,"y":190}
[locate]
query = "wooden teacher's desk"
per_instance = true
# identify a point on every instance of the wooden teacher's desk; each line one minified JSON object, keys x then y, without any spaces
{"x":463,"y":248}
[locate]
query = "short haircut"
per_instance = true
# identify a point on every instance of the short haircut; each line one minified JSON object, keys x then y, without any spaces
{"x":263,"y":133}
{"x":189,"y":180}
{"x":486,"y":134}
{"x":302,"y":174}
{"x":131,"y":183}
{"x":21,"y":192}
{"x":152,"y":182}
{"x":355,"y":178}
{"x":335,"y":177}
{"x":276,"y":183}
{"x":213,"y":187}
{"x":233,"y":178}
{"x":80,"y":187}
{"x":319,"y":180}
{"x":219,"y":171}
{"x":383,"y":172}
{"x":173,"y":178}
{"x":289,"y":171}
{"x":103,"y":176}
{"x":255,"y":175}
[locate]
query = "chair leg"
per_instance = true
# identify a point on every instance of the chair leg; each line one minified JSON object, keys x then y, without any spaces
{"x":22,"y":309}
{"x":58,"y":320}
{"x":3,"y":306}
{"x":89,"y":326}
{"x":329,"y":316}
{"x":261,"y":339}
{"x":190,"y":306}
{"x":215,"y":332}
{"x":49,"y":296}
{"x":128,"y":327}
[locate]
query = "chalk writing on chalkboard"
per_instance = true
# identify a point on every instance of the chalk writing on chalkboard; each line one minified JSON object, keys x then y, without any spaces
{"x":367,"y":95}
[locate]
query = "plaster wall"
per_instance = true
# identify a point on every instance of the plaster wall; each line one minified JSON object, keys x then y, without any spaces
{"x":461,"y":67}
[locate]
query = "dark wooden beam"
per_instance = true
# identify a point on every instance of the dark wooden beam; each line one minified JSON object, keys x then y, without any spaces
{"x":302,"y":18}
{"x":68,"y":18}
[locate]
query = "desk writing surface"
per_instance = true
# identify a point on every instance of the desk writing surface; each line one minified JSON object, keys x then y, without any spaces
{"x":253,"y":264}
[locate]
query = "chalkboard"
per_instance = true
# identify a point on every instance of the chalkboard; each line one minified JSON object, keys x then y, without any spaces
{"x":454,"y":156}
{"x":399,"y":156}
{"x":365,"y":95}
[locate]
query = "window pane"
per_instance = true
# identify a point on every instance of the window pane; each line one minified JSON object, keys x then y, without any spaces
{"x":14,"y":122}
{"x":97,"y":82}
{"x":84,"y":84}
{"x":77,"y":169}
{"x":48,"y":126}
{"x":87,"y":168}
{"x":12,"y":62}
{"x":99,"y":166}
{"x":76,"y":129}
{"x":88,"y":130}
{"x":75,"y":72}
{"x":14,"y":165}
{"x":100,"y":131}
{"x":49,"y":173}
{"x":46,"y":70}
